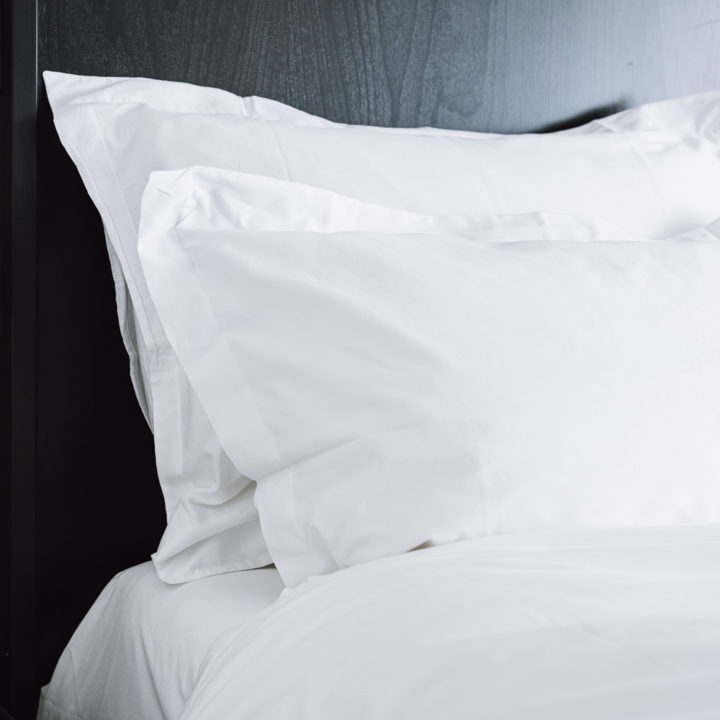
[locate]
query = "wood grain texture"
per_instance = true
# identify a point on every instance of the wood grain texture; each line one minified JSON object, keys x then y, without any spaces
{"x":473,"y":64}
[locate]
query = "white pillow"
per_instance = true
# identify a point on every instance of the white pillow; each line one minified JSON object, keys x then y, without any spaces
{"x":212,"y":522}
{"x":391,"y":390}
{"x":653,"y":170}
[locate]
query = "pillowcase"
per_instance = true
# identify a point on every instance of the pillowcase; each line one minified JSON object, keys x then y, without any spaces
{"x":652,"y":170}
{"x":390,"y":390}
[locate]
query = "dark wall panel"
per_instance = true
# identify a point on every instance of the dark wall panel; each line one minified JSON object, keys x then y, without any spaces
{"x":505,"y":65}
{"x":5,"y":352}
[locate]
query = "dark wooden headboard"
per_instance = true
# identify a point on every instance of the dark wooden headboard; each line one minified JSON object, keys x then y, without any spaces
{"x":80,"y":500}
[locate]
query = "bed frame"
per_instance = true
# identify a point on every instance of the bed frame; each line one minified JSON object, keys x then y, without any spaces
{"x":79,"y":496}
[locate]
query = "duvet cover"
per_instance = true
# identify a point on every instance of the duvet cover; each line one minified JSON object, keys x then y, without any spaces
{"x":601,"y":625}
{"x":621,"y":624}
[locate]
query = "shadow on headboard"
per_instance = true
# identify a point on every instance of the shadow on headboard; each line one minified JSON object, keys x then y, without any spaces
{"x":82,"y":481}
{"x":584,"y":117}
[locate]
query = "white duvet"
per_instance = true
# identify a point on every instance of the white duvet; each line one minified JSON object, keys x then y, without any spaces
{"x":611,"y":625}
{"x":621,"y":624}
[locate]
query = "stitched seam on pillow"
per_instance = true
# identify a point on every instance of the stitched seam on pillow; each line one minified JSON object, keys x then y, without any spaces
{"x":122,"y":298}
{"x":206,"y":570}
{"x":427,"y":131}
{"x":91,"y":103}
{"x":165,"y":568}
{"x":194,"y":109}
{"x":97,"y":198}
{"x":219,"y":338}
{"x":119,"y":249}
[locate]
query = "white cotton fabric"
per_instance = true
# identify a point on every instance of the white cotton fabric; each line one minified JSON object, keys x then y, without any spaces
{"x":139,"y":651}
{"x":115,"y":130}
{"x":388,"y":390}
{"x":621,"y":624}
{"x":651,"y":170}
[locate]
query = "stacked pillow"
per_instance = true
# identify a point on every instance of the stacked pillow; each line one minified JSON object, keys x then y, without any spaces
{"x":396,"y":333}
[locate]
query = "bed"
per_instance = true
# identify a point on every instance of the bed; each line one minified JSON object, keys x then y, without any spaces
{"x":140,"y":649}
{"x":79,"y":469}
{"x":613,"y":625}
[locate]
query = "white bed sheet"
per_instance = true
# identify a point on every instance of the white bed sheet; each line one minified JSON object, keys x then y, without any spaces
{"x":137,"y":653}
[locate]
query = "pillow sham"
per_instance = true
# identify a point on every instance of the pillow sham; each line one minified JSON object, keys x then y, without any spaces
{"x":651,"y":169}
{"x":212,"y":523}
{"x":393,"y":390}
